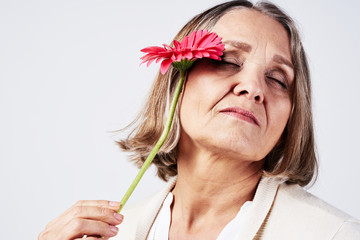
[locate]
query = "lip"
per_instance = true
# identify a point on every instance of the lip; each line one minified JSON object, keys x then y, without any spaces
{"x":241,"y":114}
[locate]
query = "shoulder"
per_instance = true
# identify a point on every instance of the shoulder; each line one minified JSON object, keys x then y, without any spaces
{"x":350,"y":229}
{"x":298,"y":211}
{"x":304,"y":203}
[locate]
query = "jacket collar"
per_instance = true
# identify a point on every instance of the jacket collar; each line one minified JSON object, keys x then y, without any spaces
{"x":261,"y":206}
{"x":151,"y":210}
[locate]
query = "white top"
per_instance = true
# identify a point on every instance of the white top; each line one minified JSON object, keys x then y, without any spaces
{"x":161,"y":226}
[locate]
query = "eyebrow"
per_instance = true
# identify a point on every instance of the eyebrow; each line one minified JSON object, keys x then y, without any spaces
{"x":279,"y":59}
{"x":240,"y":45}
{"x":247,"y":48}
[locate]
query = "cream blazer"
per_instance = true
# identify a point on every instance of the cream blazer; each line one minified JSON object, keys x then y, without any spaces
{"x":279,"y":212}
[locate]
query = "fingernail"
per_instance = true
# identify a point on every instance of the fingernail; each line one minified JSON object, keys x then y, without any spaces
{"x":118,"y":216}
{"x":114,"y":204}
{"x":114,"y":229}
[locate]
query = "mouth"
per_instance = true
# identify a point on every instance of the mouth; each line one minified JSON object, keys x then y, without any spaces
{"x":241,"y":114}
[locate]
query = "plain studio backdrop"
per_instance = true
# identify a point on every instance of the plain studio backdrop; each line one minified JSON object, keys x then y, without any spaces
{"x":70,"y":75}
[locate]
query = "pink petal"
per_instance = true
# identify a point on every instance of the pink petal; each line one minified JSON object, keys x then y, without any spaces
{"x":214,"y":56}
{"x":165,"y":65}
{"x":167,"y":47}
{"x":176,"y":57}
{"x":207,"y":40}
{"x":149,"y":62}
{"x":205,"y":54}
{"x":191,"y":39}
{"x":159,"y":59}
{"x":177,"y":45}
{"x":152,"y":49}
{"x":184,"y":42}
{"x":197,"y":38}
{"x":198,"y":55}
{"x":188,"y":55}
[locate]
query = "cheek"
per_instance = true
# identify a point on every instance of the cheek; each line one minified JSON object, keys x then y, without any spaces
{"x":190,"y":106}
{"x":278,"y":118}
{"x":200,"y":95}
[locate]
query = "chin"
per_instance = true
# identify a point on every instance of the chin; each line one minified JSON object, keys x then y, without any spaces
{"x":237,"y":149}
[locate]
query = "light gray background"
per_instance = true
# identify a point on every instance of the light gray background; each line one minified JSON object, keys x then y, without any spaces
{"x":69,"y":74}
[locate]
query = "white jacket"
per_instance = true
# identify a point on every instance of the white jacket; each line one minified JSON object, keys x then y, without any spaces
{"x":279,"y":211}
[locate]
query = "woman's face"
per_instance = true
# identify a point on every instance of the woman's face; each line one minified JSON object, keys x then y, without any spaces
{"x":239,"y":107}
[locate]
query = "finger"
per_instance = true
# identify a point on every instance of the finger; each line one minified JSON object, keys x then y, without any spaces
{"x":99,"y":203}
{"x":89,"y":238}
{"x":69,"y":213}
{"x":78,"y":227}
{"x":98,"y":237}
{"x":97,"y":213}
{"x":92,"y":238}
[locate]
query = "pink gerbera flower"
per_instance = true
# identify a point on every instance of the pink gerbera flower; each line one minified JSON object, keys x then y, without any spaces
{"x":197,"y":45}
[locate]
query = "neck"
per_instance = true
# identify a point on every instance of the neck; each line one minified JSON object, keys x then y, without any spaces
{"x":209,"y":186}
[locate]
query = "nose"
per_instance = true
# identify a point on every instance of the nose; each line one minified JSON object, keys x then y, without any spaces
{"x":249,"y":84}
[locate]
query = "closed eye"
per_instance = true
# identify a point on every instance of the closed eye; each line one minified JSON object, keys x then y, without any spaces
{"x":224,"y":64}
{"x":279,"y":78}
{"x":231,"y":62}
{"x":277,"y":81}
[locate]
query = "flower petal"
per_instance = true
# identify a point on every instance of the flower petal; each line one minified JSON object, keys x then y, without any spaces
{"x":198,"y":44}
{"x":152,"y":49}
{"x":198,"y":55}
{"x":191,"y":39}
{"x":188,"y":55}
{"x":177,"y":45}
{"x":165,"y":65}
{"x":149,"y":62}
{"x":206,"y":40}
{"x":184,"y":42}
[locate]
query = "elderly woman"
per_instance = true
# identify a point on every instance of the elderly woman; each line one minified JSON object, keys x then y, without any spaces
{"x":239,"y":152}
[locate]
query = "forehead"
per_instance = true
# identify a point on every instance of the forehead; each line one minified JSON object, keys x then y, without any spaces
{"x":255,"y":28}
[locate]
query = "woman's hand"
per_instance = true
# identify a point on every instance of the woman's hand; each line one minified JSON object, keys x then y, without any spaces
{"x":91,"y":218}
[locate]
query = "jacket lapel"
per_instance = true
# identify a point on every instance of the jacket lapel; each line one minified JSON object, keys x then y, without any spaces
{"x":261,"y":206}
{"x":151,"y":210}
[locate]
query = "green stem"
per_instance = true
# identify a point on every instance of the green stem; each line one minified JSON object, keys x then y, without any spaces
{"x":158,"y":144}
